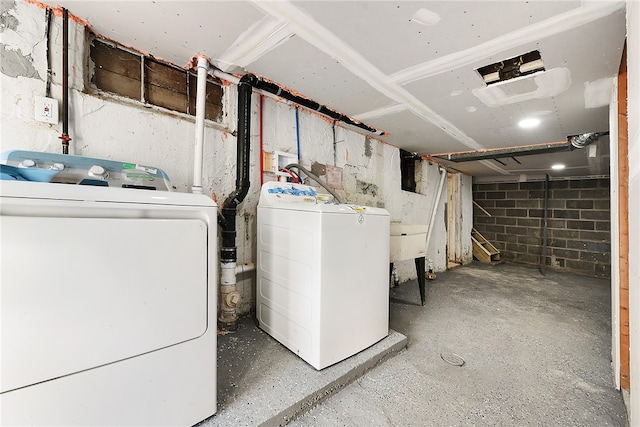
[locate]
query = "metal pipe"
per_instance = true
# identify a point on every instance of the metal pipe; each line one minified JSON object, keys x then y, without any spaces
{"x":201,"y":97}
{"x":443,"y":174}
{"x":65,"y":82}
{"x":497,"y":153}
{"x":545,"y":230}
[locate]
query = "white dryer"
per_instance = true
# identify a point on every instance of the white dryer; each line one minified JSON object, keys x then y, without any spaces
{"x":108,"y":304}
{"x":322,"y":279}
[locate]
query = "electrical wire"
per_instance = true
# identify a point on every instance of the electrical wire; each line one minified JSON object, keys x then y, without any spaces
{"x":296,"y":179}
{"x":297,"y":174}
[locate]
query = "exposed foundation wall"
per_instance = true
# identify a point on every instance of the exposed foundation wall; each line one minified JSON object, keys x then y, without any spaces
{"x":107,"y":127}
{"x":579,"y":238}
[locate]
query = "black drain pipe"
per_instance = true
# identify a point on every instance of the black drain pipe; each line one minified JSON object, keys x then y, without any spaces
{"x":312,"y":105}
{"x":545,"y":230}
{"x":229,"y":296}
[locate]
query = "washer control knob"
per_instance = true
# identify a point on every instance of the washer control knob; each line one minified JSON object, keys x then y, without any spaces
{"x":28,"y":163}
{"x":97,"y":171}
{"x":57,"y":166}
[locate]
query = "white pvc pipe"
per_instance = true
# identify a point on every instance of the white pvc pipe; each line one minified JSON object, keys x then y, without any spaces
{"x":201,"y":96}
{"x":229,"y":296}
{"x":435,"y":208}
{"x":224,"y":76}
{"x":245,"y":268}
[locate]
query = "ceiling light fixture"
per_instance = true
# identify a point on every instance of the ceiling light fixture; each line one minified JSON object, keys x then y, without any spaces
{"x":529,"y":123}
{"x":557,"y":167}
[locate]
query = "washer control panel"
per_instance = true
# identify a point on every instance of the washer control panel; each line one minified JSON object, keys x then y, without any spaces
{"x":67,"y":169}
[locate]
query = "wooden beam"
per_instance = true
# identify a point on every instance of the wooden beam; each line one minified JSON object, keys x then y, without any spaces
{"x":623,"y":207}
{"x":481,"y":208}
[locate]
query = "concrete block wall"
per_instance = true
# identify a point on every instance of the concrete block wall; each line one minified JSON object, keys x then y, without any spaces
{"x":579,"y":238}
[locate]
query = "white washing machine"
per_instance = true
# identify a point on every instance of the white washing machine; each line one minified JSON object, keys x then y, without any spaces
{"x":108,"y":298}
{"x":322,"y":279}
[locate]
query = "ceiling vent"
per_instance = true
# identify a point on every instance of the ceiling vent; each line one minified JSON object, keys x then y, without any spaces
{"x":540,"y":85}
{"x":511,"y":68}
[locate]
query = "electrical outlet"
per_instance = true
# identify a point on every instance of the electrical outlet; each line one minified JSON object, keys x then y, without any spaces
{"x":46,"y":110}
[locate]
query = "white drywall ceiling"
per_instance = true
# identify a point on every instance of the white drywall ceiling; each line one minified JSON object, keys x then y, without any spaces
{"x":369,"y":59}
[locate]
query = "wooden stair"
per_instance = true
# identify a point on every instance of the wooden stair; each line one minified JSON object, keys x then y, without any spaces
{"x":483,"y":250}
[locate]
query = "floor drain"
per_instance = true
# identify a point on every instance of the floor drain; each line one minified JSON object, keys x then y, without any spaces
{"x":452,"y":359}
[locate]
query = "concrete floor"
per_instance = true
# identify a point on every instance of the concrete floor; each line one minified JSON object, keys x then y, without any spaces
{"x":536,"y":351}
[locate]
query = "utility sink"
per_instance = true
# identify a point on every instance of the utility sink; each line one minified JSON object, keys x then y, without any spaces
{"x":408,"y":241}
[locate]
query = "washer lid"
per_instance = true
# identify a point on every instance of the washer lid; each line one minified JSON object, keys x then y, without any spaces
{"x":298,"y":197}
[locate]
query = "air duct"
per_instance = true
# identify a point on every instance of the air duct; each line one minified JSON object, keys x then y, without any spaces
{"x":582,"y":140}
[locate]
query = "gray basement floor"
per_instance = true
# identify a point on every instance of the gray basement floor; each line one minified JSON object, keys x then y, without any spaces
{"x":536,"y":351}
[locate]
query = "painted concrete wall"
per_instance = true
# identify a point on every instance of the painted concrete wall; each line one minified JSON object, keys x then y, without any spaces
{"x":633,"y":72}
{"x":104,"y":126}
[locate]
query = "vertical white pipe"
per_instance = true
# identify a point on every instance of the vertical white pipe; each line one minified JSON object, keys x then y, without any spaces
{"x":443,"y":175}
{"x":615,"y":234}
{"x":201,"y":96}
